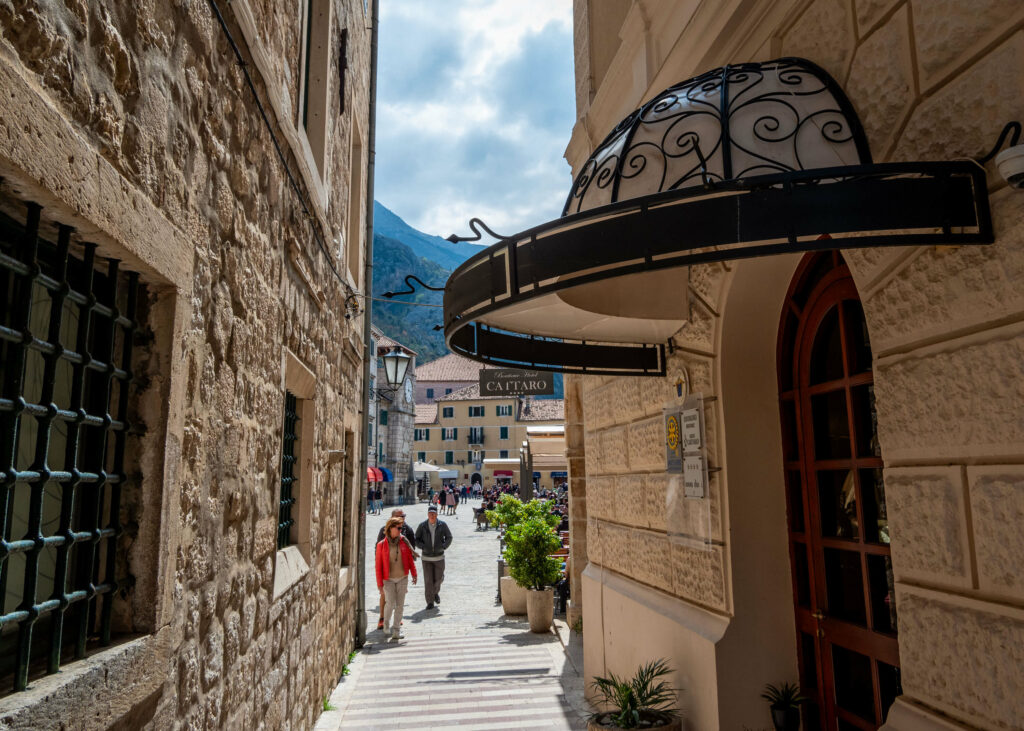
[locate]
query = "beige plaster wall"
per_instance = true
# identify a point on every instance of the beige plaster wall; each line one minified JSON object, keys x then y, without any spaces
{"x":931,"y":80}
{"x":132,"y":122}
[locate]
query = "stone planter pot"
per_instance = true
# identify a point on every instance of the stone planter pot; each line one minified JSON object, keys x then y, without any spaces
{"x":676,"y":724}
{"x":540,"y":609}
{"x":513,"y":596}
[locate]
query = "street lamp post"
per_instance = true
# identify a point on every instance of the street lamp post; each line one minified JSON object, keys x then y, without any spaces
{"x":526,"y":458}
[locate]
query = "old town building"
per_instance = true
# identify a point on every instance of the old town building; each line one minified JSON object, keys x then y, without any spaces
{"x":391,"y":415}
{"x":476,"y":438}
{"x":787,"y":228}
{"x":445,"y":375}
{"x":182,"y":225}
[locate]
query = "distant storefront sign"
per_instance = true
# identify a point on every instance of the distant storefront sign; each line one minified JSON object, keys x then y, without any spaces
{"x":515,"y":382}
{"x":559,"y":474}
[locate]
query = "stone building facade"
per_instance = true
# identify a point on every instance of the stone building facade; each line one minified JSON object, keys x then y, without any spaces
{"x":713,"y":584}
{"x":137,"y":131}
{"x":392,"y":417}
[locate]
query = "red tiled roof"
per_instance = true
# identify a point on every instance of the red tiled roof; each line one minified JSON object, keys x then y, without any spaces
{"x":426,"y":413}
{"x":385,"y":342}
{"x":448,"y":368}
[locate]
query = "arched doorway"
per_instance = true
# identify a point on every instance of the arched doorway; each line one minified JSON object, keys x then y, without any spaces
{"x":476,"y":479}
{"x":838,"y":530}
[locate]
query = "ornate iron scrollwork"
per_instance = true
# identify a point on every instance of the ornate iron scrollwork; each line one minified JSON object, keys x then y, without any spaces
{"x":733,"y":122}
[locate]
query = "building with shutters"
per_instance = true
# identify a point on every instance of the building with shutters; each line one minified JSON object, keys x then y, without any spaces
{"x":478,"y":438}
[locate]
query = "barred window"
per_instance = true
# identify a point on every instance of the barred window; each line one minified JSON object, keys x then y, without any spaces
{"x":67,"y":332}
{"x":289,"y":444}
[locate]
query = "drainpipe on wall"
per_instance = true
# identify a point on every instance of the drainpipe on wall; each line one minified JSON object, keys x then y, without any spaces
{"x":371,"y":141}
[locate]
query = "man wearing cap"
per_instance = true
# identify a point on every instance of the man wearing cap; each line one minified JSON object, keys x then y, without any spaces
{"x":433,"y":538}
{"x":409,"y":536}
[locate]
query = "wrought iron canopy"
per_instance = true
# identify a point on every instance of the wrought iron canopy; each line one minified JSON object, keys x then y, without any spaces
{"x":743,"y":161}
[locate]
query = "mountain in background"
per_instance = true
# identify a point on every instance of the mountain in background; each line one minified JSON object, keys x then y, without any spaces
{"x":400,"y":250}
{"x":433,"y":248}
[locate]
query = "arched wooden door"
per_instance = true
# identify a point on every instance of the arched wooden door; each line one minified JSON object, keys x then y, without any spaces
{"x":839,"y":534}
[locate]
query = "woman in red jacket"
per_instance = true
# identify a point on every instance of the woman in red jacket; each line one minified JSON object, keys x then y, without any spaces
{"x":395,"y":560}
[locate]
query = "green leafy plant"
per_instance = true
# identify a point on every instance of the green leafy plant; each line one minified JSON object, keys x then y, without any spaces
{"x":527,"y":548}
{"x":786,"y":695}
{"x":510,"y":511}
{"x":327,"y":704}
{"x":643,"y":701}
{"x":577,"y":626}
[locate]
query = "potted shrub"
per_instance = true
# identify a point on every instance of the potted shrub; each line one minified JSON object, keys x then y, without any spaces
{"x":643,"y":701}
{"x":785,"y":703}
{"x":509,"y":512}
{"x":527,"y":548}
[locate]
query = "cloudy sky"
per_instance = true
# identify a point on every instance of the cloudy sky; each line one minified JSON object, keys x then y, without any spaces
{"x":475,"y":108}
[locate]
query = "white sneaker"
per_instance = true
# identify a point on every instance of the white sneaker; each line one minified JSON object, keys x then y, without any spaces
{"x":396,"y":636}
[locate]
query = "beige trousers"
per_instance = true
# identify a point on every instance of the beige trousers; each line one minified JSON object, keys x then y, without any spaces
{"x":394,"y":601}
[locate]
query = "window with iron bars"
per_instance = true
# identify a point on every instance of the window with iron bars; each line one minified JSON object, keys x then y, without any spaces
{"x":289,"y":442}
{"x":67,"y":332}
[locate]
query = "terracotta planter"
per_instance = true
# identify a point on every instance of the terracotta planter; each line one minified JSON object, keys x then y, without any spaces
{"x":513,"y":596}
{"x":540,"y":609}
{"x":676,"y":724}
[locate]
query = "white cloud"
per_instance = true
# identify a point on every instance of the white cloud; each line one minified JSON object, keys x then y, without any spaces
{"x":475,"y":107}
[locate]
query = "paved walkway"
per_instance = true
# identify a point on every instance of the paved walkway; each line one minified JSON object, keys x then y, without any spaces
{"x":464,"y":664}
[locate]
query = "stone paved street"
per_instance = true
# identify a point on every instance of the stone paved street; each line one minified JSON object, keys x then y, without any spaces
{"x":464,"y":665}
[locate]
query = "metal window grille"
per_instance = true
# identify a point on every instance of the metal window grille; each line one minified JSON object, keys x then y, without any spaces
{"x":67,"y":329}
{"x":288,"y":478}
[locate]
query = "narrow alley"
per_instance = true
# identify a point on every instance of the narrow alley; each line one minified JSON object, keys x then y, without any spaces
{"x":465,"y":663}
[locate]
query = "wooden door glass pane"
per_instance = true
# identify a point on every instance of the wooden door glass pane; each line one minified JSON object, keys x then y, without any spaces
{"x":837,"y":501}
{"x":876,"y":516}
{"x":788,"y":339}
{"x":827,"y":351}
{"x":889,"y":686}
{"x":809,"y":658}
{"x":883,"y":593}
{"x":854,"y":688}
{"x":865,"y":421}
{"x":845,"y":586}
{"x":795,"y":491}
{"x":821,"y":266}
{"x":831,"y":427}
{"x":803,"y":575}
{"x":790,"y":443}
{"x":858,"y":345}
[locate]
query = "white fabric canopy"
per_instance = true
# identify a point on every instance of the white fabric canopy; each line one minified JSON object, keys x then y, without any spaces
{"x":422,"y":467}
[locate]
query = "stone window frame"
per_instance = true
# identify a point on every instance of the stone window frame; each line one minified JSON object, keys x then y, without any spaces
{"x":504,"y":410}
{"x":503,"y":432}
{"x":447,"y":412}
{"x":129,"y":228}
{"x":291,"y":563}
{"x":449,"y":433}
{"x":503,"y":454}
{"x":314,"y":74}
{"x":421,"y":456}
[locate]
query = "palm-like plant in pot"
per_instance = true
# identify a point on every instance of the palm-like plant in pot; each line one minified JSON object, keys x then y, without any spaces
{"x":785,"y":701}
{"x":644,"y":701}
{"x":528,"y":546}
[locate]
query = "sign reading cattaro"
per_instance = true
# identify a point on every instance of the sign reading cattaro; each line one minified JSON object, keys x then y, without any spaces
{"x":515,"y":382}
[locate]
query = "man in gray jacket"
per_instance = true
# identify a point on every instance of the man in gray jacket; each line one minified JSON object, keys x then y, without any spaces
{"x":432,"y":538}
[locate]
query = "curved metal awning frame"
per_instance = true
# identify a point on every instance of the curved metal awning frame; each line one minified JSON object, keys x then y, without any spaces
{"x":853,"y":206}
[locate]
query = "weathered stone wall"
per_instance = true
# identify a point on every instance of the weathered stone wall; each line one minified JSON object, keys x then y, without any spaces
{"x":931,"y":80}
{"x":148,"y":99}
